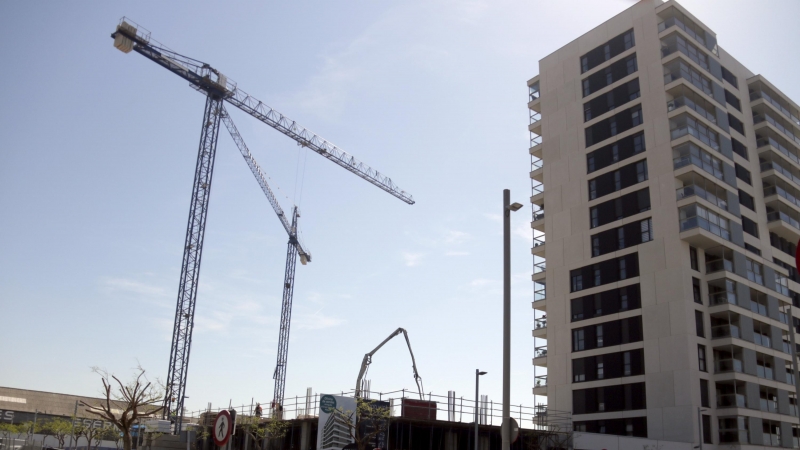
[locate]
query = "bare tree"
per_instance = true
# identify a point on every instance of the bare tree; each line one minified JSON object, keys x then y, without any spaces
{"x":127,"y":403}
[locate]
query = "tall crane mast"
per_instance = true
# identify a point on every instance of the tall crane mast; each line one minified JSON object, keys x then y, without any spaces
{"x":218,"y":89}
{"x":293,"y":249}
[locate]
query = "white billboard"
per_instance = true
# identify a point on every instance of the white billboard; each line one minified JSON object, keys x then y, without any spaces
{"x":337,"y":419}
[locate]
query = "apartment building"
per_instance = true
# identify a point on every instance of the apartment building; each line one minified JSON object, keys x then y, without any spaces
{"x":666,"y":197}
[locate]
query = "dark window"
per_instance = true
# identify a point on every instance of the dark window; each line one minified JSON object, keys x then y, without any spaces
{"x":614,"y":125}
{"x":620,"y":208}
{"x":752,"y":249}
{"x":622,"y":237}
{"x":698,"y":324}
{"x":749,"y":226}
{"x":615,"y":332}
{"x":621,"y":397}
{"x":729,"y":77}
{"x":617,"y":180}
{"x":701,"y":358}
{"x":693,"y":259}
{"x":733,"y":100}
{"x":698,"y":296}
{"x":608,"y":366}
{"x":608,"y":50}
{"x":747,"y":200}
{"x":605,"y":272}
{"x":782,"y":244}
{"x":609,"y":75}
{"x":704,"y":402}
{"x":739,"y":148}
{"x":610,"y":100}
{"x":606,"y":302}
{"x":736,"y":124}
{"x":615,"y":152}
{"x":634,"y":426}
{"x":743,"y":174}
{"x":707,"y":436}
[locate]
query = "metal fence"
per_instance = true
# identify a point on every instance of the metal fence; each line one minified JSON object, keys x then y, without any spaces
{"x":450,"y":408}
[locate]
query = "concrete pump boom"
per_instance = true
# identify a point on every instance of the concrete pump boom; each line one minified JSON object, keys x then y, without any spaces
{"x":368,"y":360}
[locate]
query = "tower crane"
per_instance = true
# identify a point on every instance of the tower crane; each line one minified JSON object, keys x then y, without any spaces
{"x":368,"y":360}
{"x":217,"y":88}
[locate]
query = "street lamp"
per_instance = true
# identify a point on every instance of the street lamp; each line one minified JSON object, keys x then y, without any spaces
{"x":477,"y":374}
{"x":508,"y":207}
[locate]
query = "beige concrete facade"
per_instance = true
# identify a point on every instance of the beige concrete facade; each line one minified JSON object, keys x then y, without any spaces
{"x":670,"y":340}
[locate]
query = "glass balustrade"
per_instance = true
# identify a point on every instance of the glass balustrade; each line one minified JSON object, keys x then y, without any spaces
{"x":731,"y":401}
{"x":763,"y":116}
{"x":770,"y":141}
{"x":540,"y":352}
{"x":540,"y":323}
{"x":540,"y":381}
{"x":681,"y":101}
{"x":722,"y":331}
{"x":755,"y":95}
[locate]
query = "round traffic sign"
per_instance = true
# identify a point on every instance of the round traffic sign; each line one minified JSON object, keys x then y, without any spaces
{"x":222,"y":428}
{"x":511,"y":422}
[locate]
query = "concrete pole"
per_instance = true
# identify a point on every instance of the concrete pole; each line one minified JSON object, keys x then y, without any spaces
{"x":505,"y":429}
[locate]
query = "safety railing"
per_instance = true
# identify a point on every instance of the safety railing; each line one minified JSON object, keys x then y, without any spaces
{"x":540,"y":381}
{"x":535,"y":140}
{"x":540,"y":323}
{"x":769,"y":141}
{"x":535,"y":117}
{"x":772,"y":165}
{"x":533,"y":92}
{"x":777,"y":212}
{"x":539,"y":267}
{"x":540,"y":352}
{"x":758,"y":118}
{"x":538,"y":241}
{"x":755,"y":95}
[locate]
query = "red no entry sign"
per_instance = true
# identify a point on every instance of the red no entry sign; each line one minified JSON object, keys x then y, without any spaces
{"x":222,"y":428}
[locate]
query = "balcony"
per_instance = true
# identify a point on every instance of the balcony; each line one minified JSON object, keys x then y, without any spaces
{"x":696,"y":216}
{"x":676,"y":43}
{"x":722,"y":292}
{"x":765,"y":141}
{"x":731,"y":401}
{"x":771,"y":163}
{"x":538,"y":245}
{"x":540,"y":356}
{"x":696,"y":185}
{"x":535,"y":125}
{"x":537,"y":194}
{"x":677,"y":69}
{"x":539,"y":295}
{"x":688,"y":153}
{"x":674,"y":18}
{"x":759,"y":93}
{"x":719,"y":259}
{"x":765,"y":117}
{"x":539,"y":271}
{"x":685,"y":124}
{"x":536,"y":145}
{"x":540,"y":385}
{"x":774,"y":186}
{"x":537,"y":170}
{"x":684,"y":96}
{"x":725,"y":324}
{"x":534,"y":96}
{"x":537,"y":222}
{"x":783,"y":221}
{"x":540,"y":327}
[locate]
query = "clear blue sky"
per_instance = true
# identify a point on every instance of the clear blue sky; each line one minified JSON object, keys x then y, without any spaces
{"x":97,"y":155}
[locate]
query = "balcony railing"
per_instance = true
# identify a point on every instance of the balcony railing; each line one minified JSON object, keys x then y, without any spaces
{"x":761,"y":142}
{"x":540,"y":381}
{"x":535,"y":140}
{"x":697,"y":221}
{"x":755,"y":95}
{"x":719,"y":259}
{"x":731,"y":401}
{"x":764,"y":372}
{"x":773,"y":440}
{"x":775,"y":189}
{"x":538,"y":214}
{"x":722,"y":331}
{"x":539,"y":295}
{"x":678,"y":73}
{"x":539,"y":267}
{"x":674,"y":21}
{"x":762,"y":340}
{"x":676,"y":43}
{"x":782,"y":213}
{"x":685,"y":129}
{"x":536,"y":165}
{"x":693,"y":155}
{"x":772,"y":165}
{"x":728,"y":365}
{"x":535,"y":117}
{"x":538,"y":241}
{"x":533,"y":92}
{"x":540,"y":323}
{"x":758,"y":118}
{"x":537,"y":189}
{"x":540,"y":352}
{"x":686,"y":101}
{"x":721,"y":298}
{"x":690,"y":190}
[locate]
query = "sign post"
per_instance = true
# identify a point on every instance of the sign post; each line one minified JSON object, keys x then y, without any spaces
{"x":222,"y":428}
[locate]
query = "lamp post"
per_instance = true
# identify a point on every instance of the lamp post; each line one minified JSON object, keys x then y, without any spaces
{"x":478,"y":373}
{"x":508,"y":207}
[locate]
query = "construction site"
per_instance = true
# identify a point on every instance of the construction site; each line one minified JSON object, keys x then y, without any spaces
{"x":408,"y":420}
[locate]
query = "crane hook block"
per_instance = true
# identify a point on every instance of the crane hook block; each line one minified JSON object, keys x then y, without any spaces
{"x":121,"y":41}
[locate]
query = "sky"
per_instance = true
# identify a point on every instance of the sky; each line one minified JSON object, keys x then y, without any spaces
{"x":97,"y":157}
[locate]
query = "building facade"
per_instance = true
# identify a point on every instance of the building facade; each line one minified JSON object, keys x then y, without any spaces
{"x":666,"y":197}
